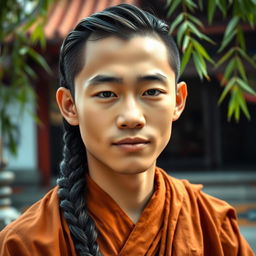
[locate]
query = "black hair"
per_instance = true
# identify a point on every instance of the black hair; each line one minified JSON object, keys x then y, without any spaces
{"x":123,"y":21}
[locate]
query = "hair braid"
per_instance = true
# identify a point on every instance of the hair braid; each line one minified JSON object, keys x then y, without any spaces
{"x":72,"y":189}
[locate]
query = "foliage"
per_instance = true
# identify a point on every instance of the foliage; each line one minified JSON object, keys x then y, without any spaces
{"x":21,"y":30}
{"x":190,"y":33}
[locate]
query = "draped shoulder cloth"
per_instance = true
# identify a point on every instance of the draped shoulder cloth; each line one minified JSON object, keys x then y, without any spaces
{"x":178,"y":220}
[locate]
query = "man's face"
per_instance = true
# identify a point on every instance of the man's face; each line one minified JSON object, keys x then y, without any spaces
{"x":125,"y":101}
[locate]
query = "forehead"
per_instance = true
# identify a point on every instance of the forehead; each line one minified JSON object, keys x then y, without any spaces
{"x":115,"y":48}
{"x":131,"y":57}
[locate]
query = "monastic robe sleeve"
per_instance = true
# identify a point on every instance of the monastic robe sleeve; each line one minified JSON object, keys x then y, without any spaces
{"x":220,"y":219}
{"x":12,"y":244}
{"x":40,"y":230}
{"x":232,"y":241}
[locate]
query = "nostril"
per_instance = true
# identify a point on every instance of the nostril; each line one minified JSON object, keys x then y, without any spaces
{"x":130,"y":122}
{"x":138,"y":126}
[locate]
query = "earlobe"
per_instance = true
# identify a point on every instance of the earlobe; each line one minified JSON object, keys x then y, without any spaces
{"x":181,"y":97}
{"x":67,"y":106}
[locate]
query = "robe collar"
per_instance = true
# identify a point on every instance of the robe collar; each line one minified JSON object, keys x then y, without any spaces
{"x":118,"y":235}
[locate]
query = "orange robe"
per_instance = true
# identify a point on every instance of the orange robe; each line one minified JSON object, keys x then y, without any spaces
{"x":178,"y":220}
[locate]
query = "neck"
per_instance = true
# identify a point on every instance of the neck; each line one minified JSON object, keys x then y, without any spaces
{"x":130,"y":191}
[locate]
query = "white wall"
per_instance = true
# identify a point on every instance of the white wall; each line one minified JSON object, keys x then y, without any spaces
{"x":26,"y":158}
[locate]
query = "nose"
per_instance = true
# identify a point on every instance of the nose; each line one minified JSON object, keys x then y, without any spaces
{"x":131,"y":116}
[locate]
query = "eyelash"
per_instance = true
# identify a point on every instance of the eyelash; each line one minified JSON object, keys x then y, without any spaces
{"x":155,"y":90}
{"x":100,"y":94}
{"x":111,"y":94}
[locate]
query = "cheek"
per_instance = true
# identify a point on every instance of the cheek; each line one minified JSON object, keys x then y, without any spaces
{"x":162,"y":117}
{"x":90,"y":124}
{"x":162,"y":123}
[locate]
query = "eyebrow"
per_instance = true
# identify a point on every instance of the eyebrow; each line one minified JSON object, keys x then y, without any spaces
{"x":98,"y":79}
{"x":153,"y":77}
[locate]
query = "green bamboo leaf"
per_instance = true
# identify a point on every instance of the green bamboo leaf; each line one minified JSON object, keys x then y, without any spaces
{"x":231,"y":26}
{"x":194,"y":30}
{"x":195,"y":20}
{"x":230,"y":32}
{"x":227,"y":88}
{"x":172,"y":7}
{"x":228,"y":70}
{"x":201,"y":58}
{"x":181,"y":31}
{"x":237,"y":112}
{"x":176,"y":22}
{"x":233,"y":105}
{"x":245,"y":8}
{"x":191,"y":5}
{"x":186,"y":58}
{"x":222,"y":4}
{"x":226,"y":40}
{"x":30,"y":71}
{"x":240,"y":37}
{"x":251,"y":19}
{"x":207,"y":39}
{"x":243,"y":104}
{"x":39,"y":36}
{"x":202,"y":50}
{"x":245,"y":86}
{"x":211,"y":10}
{"x":200,"y":65}
{"x":231,"y":109}
{"x":185,"y":43}
{"x":225,"y":57}
{"x":37,"y":33}
{"x":241,"y":69}
{"x":246,"y":57}
{"x":39,"y":59}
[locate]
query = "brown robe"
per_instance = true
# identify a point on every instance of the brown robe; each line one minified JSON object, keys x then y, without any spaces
{"x":178,"y":220}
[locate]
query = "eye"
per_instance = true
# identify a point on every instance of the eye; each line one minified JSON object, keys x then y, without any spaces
{"x":152,"y":92}
{"x":106,"y":94}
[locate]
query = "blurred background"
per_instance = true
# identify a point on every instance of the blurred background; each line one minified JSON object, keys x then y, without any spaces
{"x":212,"y":144}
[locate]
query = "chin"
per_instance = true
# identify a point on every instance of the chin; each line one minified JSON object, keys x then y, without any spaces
{"x":133,"y":168}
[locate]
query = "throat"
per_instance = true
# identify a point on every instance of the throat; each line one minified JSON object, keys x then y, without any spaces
{"x":134,"y":209}
{"x":131,"y":192}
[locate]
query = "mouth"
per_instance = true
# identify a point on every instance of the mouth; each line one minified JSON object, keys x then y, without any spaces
{"x":132,"y":144}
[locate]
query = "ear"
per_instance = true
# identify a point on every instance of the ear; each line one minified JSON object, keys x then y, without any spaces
{"x":181,"y":96}
{"x":67,"y":106}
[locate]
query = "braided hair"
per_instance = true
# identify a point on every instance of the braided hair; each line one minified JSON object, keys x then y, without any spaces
{"x":123,"y":21}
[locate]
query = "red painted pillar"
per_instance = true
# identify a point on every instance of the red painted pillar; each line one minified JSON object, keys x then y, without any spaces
{"x":43,"y":130}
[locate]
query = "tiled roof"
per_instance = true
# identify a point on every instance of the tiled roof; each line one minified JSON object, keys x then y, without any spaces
{"x":65,"y":14}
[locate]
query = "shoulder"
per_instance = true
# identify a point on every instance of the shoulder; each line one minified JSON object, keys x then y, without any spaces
{"x":206,"y":205}
{"x":42,"y":211}
{"x":37,"y":226}
{"x":194,"y":200}
{"x":214,"y":220}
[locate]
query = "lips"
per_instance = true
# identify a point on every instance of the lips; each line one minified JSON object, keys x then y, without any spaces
{"x":131,"y":141}
{"x":130,"y":145}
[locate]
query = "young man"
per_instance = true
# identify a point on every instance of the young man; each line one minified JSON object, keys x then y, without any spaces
{"x":119,"y":96}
